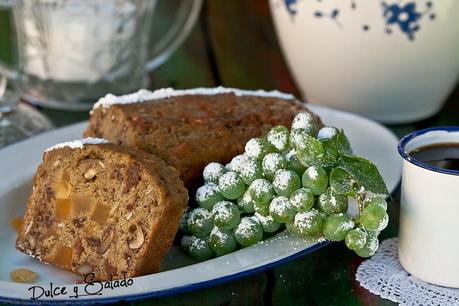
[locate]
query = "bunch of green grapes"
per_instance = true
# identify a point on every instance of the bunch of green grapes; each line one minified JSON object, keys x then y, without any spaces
{"x":302,"y":179}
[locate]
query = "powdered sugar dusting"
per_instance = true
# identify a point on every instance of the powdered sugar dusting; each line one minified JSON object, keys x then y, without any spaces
{"x":346,"y":225}
{"x":229,"y":179}
{"x":383,"y":223}
{"x":78,"y":144}
{"x":222,"y":210}
{"x":283,"y":178}
{"x":272,"y":162}
{"x":213,"y":171}
{"x":278,"y":138}
{"x":237,"y":163}
{"x":279,"y":205}
{"x":261,"y":186}
{"x":302,"y":121}
{"x":221,"y":235}
{"x":247,"y":227}
{"x":253,"y":147}
{"x":249,"y":169}
{"x":199,"y":217}
{"x":306,"y":220}
{"x":164,"y":93}
{"x":198,"y":243}
{"x":206,"y":191}
{"x":312,"y":172}
{"x":327,"y":132}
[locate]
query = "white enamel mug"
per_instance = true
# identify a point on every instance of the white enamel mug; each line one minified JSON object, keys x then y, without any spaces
{"x":391,"y":60}
{"x":429,"y":212}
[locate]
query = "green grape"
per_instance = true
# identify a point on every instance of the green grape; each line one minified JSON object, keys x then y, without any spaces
{"x":199,"y":222}
{"x":184,"y":222}
{"x":281,"y":210}
{"x":222,"y":241}
{"x":310,"y":151}
{"x":257,"y":148}
{"x":328,"y":132}
{"x":249,"y":231}
{"x":374,"y":218}
{"x":292,"y":229}
{"x":267,"y":223}
{"x":225,"y":215}
{"x":199,"y":248}
{"x":315,"y":179}
{"x":294,"y":163}
{"x":278,"y":137}
{"x":212,"y":172}
{"x":286,"y":182}
{"x":299,"y":139}
{"x":231,"y":185}
{"x":342,"y":182}
{"x":245,"y":203}
{"x":332,"y":203}
{"x":261,"y":208}
{"x":370,"y":247}
{"x":208,"y":195}
{"x":308,"y":224}
{"x":305,"y":121}
{"x":330,"y":154}
{"x":376,"y":200}
{"x":336,"y":227}
{"x":237,"y":163}
{"x":261,"y":191}
{"x":356,"y":239}
{"x":302,"y":200}
{"x":185,"y":243}
{"x":250,"y":171}
{"x":273,"y":162}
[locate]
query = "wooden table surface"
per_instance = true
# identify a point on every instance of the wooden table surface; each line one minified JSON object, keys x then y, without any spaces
{"x":234,"y":44}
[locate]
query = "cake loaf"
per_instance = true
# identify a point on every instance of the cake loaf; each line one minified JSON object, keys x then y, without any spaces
{"x":191,"y":128}
{"x":101,"y":208}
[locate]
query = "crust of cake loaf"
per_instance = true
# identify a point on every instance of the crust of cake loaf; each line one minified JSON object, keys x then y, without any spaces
{"x":190,"y":131}
{"x":103,"y":209}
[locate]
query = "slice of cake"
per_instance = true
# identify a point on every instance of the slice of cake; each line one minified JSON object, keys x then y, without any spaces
{"x":191,"y":128}
{"x":102,"y":208}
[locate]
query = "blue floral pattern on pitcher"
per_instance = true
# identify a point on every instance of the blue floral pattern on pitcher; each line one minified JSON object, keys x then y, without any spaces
{"x":405,"y":15}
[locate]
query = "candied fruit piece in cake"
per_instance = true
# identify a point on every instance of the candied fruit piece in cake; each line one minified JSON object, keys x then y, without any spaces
{"x":62,"y":257}
{"x":100,"y":213}
{"x":191,"y":128}
{"x":62,"y":209}
{"x":102,"y":208}
{"x":63,"y":189}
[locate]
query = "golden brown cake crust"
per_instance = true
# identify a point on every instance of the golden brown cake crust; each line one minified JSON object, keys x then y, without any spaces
{"x":190,"y":131}
{"x":103,"y":208}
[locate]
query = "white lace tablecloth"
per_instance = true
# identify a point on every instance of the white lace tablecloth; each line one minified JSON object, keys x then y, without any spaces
{"x":383,"y":275}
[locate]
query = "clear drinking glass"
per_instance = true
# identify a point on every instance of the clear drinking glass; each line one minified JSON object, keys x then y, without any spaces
{"x":71,"y":52}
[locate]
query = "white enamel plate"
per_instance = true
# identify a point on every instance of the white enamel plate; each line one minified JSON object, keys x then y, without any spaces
{"x":17,"y":166}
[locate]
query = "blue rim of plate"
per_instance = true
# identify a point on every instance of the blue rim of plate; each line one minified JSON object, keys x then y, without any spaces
{"x":182,"y":289}
{"x":405,"y":140}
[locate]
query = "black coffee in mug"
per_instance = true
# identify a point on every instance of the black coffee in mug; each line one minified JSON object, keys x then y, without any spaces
{"x":440,"y":155}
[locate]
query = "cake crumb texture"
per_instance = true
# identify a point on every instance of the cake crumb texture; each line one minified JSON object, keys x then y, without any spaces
{"x":103,"y":209}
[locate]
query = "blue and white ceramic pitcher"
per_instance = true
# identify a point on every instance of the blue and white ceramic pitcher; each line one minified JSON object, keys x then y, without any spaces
{"x":391,"y":60}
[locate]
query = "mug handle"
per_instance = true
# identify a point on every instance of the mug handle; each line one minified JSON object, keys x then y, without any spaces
{"x":172,"y":39}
